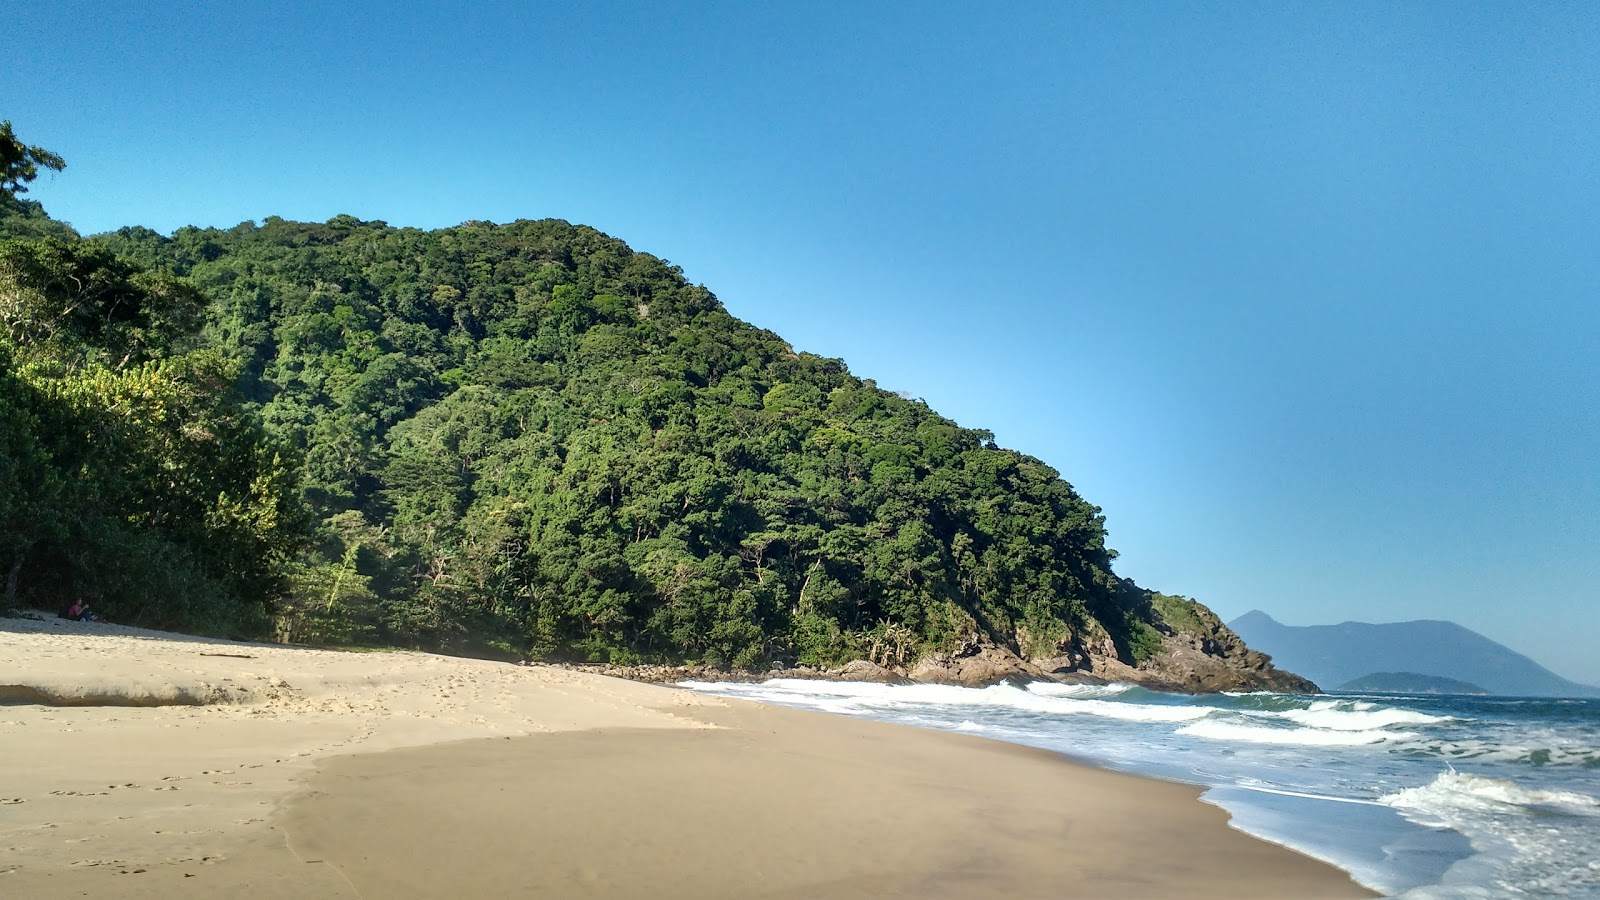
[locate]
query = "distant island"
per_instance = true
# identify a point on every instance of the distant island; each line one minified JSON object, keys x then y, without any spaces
{"x":1339,"y":654}
{"x":1408,"y":683}
{"x":523,"y":441}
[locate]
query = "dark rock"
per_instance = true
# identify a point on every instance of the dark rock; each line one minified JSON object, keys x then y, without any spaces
{"x":1202,"y":663}
{"x":862,"y":670}
{"x":1211,"y":659}
{"x":983,"y":667}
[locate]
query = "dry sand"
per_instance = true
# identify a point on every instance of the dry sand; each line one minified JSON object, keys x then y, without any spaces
{"x":302,"y":773}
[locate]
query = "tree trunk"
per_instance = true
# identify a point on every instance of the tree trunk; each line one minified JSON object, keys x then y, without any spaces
{"x":801,"y":600}
{"x":12,"y":578}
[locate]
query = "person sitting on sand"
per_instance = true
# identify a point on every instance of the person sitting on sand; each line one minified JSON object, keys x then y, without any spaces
{"x":79,"y":611}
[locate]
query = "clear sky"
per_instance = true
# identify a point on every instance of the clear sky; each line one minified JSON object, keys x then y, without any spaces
{"x":1304,"y":296}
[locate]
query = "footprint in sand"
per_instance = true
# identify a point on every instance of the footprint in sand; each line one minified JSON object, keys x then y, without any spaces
{"x":11,"y":801}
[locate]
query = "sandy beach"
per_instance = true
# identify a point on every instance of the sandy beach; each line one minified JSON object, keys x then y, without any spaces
{"x":143,"y":764}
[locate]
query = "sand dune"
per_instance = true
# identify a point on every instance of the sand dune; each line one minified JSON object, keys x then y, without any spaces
{"x":140,"y":763}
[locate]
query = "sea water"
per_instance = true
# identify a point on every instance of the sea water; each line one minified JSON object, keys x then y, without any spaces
{"x":1430,"y":796}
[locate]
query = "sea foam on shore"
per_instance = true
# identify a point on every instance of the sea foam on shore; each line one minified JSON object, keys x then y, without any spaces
{"x":1439,"y":796}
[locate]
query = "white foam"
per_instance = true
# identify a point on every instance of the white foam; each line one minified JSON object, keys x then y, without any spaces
{"x":1530,"y":842}
{"x":1554,"y":755}
{"x":1359,"y":718}
{"x":841,"y":696}
{"x":1454,"y":791}
{"x":1260,"y":787}
{"x":1130,"y":712}
{"x":1302,"y":737}
{"x":1048,"y":689}
{"x":1334,"y":748}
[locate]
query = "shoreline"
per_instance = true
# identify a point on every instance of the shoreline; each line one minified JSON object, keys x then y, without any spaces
{"x":324,"y":773}
{"x":782,"y":803}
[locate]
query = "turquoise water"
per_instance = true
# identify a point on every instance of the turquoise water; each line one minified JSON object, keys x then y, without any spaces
{"x":1431,"y":796}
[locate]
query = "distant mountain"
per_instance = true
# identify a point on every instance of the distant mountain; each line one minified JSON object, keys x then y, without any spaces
{"x":1337,"y":654}
{"x":1408,"y":683}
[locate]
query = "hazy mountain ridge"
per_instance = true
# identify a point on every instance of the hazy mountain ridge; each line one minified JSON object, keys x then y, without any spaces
{"x":1409,"y":683}
{"x":1337,"y":654}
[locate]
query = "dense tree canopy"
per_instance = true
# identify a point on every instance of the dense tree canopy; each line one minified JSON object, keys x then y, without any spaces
{"x":131,"y":474}
{"x":530,"y":436}
{"x":523,"y":439}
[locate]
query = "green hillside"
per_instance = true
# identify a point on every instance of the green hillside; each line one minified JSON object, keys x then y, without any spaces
{"x":519,"y":439}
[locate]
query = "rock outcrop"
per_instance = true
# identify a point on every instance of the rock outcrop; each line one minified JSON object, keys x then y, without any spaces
{"x":1197,"y":654}
{"x":984,"y":665}
{"x":1189,"y":662}
{"x":1194,"y":664}
{"x":861,"y":670}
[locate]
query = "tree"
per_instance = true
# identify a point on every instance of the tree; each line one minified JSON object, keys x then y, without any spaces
{"x":130,"y":470}
{"x":19,"y":162}
{"x":78,"y":302}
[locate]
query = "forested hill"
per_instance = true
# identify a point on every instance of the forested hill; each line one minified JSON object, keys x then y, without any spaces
{"x":530,"y":432}
{"x":529,"y":440}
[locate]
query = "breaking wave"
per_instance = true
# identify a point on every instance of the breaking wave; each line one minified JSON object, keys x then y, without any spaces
{"x":1358,"y":716}
{"x":1525,"y":822}
{"x":861,"y":697}
{"x":1300,"y":737}
{"x":1455,"y":791}
{"x":1081,"y":690}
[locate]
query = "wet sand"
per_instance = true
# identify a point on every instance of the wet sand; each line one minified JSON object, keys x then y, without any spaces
{"x":410,"y":775}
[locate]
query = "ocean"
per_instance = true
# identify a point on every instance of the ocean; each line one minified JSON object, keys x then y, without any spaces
{"x":1417,"y":796}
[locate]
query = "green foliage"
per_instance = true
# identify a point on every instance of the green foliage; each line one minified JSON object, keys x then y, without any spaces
{"x":517,"y":439}
{"x":147,"y":490}
{"x":19,"y":166}
{"x":72,"y":303}
{"x":130,"y":473}
{"x":328,"y":603}
{"x":1183,"y":614}
{"x":19,"y":162}
{"x":561,"y":446}
{"x":1142,"y":641}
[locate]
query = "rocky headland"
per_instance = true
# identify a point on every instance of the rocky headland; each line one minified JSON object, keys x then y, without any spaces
{"x":1206,"y":658}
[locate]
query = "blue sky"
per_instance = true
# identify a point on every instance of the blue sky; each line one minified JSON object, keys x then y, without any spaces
{"x":1302,"y":295}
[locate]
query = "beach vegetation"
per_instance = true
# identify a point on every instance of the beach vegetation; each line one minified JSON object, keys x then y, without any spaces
{"x":131,"y":473}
